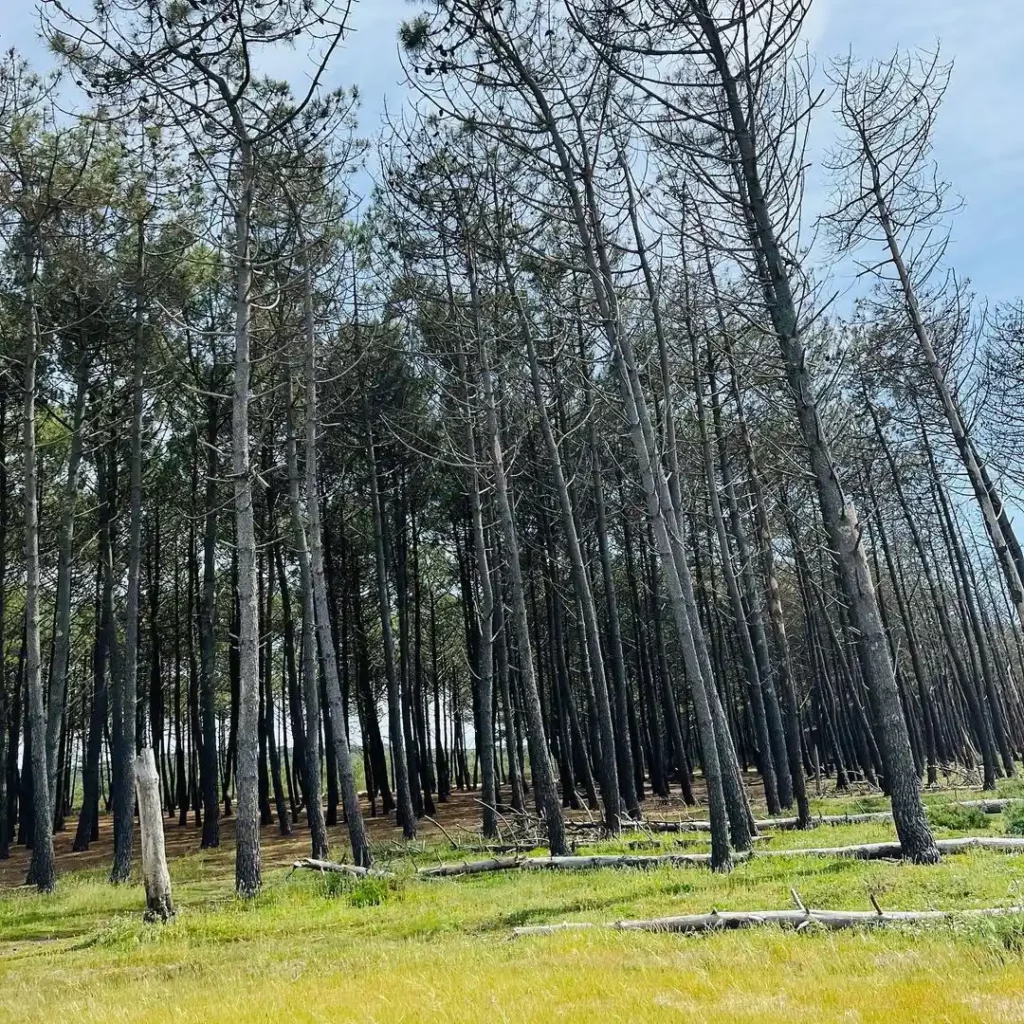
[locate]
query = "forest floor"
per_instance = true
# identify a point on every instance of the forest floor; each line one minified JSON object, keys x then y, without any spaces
{"x":328,"y":948}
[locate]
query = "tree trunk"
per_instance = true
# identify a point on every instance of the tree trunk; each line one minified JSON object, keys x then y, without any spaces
{"x":247,"y":821}
{"x":540,"y":760}
{"x":838,"y":511}
{"x":406,"y":816}
{"x":157,"y":879}
{"x":41,"y":872}
{"x":62,"y":630}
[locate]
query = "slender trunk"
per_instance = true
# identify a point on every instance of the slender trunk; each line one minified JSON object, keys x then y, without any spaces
{"x":308,"y":663}
{"x":324,"y":629}
{"x":125,"y":708}
{"x":607,"y":777}
{"x":540,"y":760}
{"x":208,"y":758}
{"x":838,"y":511}
{"x":406,"y":816}
{"x":247,"y":821}
{"x":765,"y":753}
{"x":62,"y":630}
{"x":41,"y":872}
{"x":997,"y":522}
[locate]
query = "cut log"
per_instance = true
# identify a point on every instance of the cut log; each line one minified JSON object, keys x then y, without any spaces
{"x":155,"y":876}
{"x":719,"y":920}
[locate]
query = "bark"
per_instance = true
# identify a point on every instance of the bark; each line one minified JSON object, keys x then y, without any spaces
{"x":485,"y":606}
{"x":586,"y":217}
{"x":997,"y":522}
{"x":515,"y":777}
{"x":125,"y":706}
{"x":247,"y":822}
{"x":207,"y":733}
{"x":766,"y":753}
{"x":308,"y":662}
{"x":88,"y":818}
{"x":41,"y":872}
{"x":8,"y":720}
{"x":967,"y":684}
{"x":724,"y":920}
{"x":406,"y":815}
{"x":324,"y":629}
{"x":838,"y":511}
{"x":155,"y":876}
{"x":607,"y":777}
{"x":62,"y":629}
{"x":783,"y":661}
{"x":540,"y":761}
{"x":623,"y":745}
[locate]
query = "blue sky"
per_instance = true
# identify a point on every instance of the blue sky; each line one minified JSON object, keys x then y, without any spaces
{"x":980,"y":147}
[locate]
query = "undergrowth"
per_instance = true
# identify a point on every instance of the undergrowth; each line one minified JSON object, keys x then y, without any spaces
{"x":318,"y":947}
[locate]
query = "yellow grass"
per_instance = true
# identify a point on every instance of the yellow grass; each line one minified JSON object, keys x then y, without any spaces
{"x":328,"y":949}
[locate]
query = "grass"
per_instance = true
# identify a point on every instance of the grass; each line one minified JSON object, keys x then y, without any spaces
{"x":327,"y":948}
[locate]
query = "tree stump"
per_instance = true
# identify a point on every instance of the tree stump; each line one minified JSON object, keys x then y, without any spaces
{"x":154,"y":860}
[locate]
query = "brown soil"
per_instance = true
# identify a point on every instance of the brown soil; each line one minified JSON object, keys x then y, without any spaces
{"x":459,"y":815}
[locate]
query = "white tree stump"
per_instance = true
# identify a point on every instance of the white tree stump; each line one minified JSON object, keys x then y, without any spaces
{"x":154,"y":859}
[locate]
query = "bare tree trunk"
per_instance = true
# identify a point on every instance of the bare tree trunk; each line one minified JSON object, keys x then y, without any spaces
{"x":88,"y":818}
{"x":838,"y":511}
{"x":328,"y":652}
{"x":917,"y":664}
{"x":783,"y":661}
{"x":8,"y":748}
{"x":966,"y":684}
{"x":62,"y":629}
{"x":484,"y":668}
{"x":623,"y":746}
{"x":406,"y":815}
{"x":157,"y":880}
{"x":607,"y":776}
{"x":766,"y":758}
{"x":247,"y":821}
{"x":207,"y":636}
{"x":280,"y":802}
{"x":41,"y":872}
{"x":540,"y":759}
{"x":308,"y":663}
{"x":125,"y":707}
{"x":997,"y":522}
{"x":515,"y":774}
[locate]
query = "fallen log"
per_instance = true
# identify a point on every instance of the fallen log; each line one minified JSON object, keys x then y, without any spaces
{"x":880,"y":851}
{"x":331,"y":866}
{"x":767,"y":824}
{"x":471,"y":867}
{"x":720,"y":920}
{"x":863,"y":851}
{"x":617,"y":860}
{"x":988,"y":806}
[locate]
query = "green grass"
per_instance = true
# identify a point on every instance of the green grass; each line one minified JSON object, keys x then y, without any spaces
{"x":328,"y":948}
